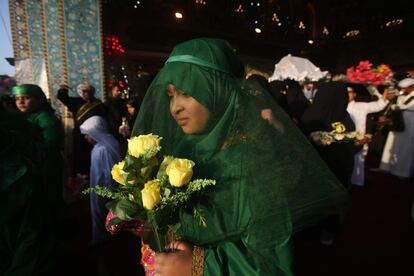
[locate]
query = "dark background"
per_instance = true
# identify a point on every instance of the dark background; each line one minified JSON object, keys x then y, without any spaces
{"x":148,"y":30}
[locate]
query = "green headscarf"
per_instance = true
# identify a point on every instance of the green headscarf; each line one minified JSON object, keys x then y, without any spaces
{"x":270,"y":181}
{"x":30,"y":90}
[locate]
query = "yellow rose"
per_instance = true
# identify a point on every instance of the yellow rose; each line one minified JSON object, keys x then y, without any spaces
{"x":117,"y":172}
{"x":151,"y":195}
{"x":339,"y":136}
{"x":339,"y":127}
{"x":138,"y":145}
{"x":166,"y":161}
{"x":180,"y":171}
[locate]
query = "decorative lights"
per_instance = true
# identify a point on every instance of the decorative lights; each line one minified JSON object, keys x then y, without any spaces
{"x":239,"y":9}
{"x":126,"y":86}
{"x":178,"y":15}
{"x":352,"y":33}
{"x":112,"y":45}
{"x":258,"y":30}
{"x":325,"y":30}
{"x":275,"y":18}
{"x":393,"y":23}
{"x":301,"y":25}
{"x":136,"y":5}
{"x":255,"y":4}
{"x":200,"y":2}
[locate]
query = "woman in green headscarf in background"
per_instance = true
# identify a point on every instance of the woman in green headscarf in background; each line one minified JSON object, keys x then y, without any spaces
{"x":28,"y":242}
{"x":32,"y":102}
{"x":270,"y":182}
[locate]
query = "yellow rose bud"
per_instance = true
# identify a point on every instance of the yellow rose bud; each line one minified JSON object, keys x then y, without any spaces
{"x":117,"y":172}
{"x":180,"y":171}
{"x":339,"y":127}
{"x":166,"y":161}
{"x":151,"y":195}
{"x":138,"y":145}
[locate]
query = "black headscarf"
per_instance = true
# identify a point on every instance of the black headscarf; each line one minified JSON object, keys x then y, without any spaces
{"x":329,"y":106}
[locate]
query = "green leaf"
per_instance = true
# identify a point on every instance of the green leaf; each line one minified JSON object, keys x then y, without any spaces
{"x":175,"y":227}
{"x":131,"y":163}
{"x":198,"y":215}
{"x":148,"y":172}
{"x":114,"y":221}
{"x":167,"y":192}
{"x":100,"y":191}
{"x":199,"y":184}
{"x":163,"y":166}
{"x":127,"y":210}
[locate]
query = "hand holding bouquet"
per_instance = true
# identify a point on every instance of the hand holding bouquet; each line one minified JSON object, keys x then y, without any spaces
{"x":337,"y":135}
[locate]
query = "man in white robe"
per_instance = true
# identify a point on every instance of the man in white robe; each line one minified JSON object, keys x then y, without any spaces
{"x":398,"y":155}
{"x":358,"y":112}
{"x":104,"y":155}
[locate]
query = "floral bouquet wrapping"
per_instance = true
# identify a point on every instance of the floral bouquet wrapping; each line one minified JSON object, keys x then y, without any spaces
{"x":151,"y":191}
{"x":364,"y":73}
{"x":338,"y":135}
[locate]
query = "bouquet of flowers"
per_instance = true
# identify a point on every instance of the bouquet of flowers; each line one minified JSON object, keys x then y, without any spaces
{"x":337,"y":135}
{"x":364,"y":73}
{"x":151,"y":191}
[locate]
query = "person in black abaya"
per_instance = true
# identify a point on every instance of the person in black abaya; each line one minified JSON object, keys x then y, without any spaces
{"x":329,"y":106}
{"x":297,"y":103}
{"x":278,"y":90}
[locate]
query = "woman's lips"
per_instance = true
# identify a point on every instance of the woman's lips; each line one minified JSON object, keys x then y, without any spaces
{"x":182,"y":121}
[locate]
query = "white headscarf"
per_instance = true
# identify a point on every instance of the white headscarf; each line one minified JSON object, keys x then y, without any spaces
{"x":84,"y":86}
{"x":97,"y":128}
{"x":406,"y":83}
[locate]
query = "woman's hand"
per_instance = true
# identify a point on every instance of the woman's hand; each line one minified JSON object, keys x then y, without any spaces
{"x":366,"y":140}
{"x":176,"y":263}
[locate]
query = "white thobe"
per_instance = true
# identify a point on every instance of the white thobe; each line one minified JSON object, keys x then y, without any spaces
{"x":358,"y":112}
{"x":398,"y":155}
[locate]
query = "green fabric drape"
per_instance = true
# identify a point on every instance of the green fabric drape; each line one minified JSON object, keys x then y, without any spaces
{"x":28,"y":244}
{"x":270,"y":181}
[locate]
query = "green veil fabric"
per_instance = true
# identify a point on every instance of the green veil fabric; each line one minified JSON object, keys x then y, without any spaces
{"x":270,"y":181}
{"x":28,"y":243}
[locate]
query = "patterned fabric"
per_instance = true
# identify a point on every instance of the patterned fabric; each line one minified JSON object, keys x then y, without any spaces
{"x":57,"y":42}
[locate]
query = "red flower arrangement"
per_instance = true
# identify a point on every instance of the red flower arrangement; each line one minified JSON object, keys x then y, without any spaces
{"x":364,"y":73}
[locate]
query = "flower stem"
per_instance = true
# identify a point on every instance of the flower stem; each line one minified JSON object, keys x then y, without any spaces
{"x":155,"y":228}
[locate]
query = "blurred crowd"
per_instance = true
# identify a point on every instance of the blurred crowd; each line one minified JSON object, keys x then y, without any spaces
{"x":36,"y":179}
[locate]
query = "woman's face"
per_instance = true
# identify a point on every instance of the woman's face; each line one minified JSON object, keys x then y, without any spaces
{"x":189,"y":114}
{"x":89,"y":139}
{"x":26,"y":103}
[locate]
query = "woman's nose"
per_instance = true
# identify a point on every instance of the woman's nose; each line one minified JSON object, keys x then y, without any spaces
{"x":176,"y":107}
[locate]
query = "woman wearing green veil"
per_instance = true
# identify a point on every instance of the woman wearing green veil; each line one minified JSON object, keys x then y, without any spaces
{"x":270,"y":181}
